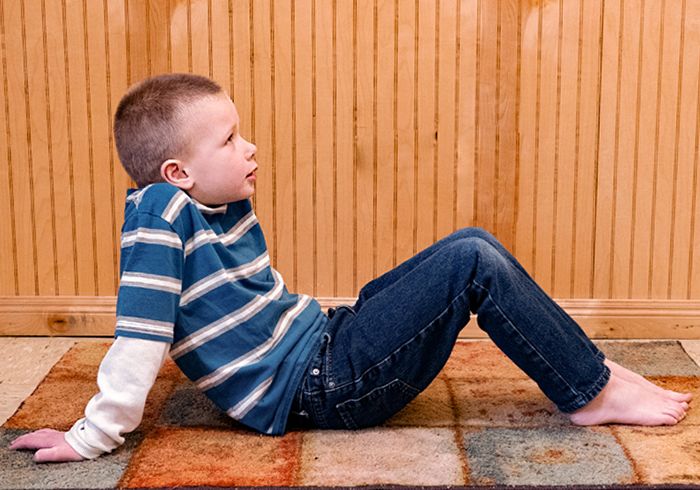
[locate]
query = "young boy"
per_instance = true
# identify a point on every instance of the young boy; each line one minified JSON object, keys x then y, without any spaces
{"x":196,"y":283}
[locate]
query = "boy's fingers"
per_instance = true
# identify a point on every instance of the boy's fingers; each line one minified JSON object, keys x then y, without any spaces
{"x":57,"y":454}
{"x":37,"y":440}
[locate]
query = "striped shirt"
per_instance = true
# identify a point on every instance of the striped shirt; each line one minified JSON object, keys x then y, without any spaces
{"x":200,"y":279}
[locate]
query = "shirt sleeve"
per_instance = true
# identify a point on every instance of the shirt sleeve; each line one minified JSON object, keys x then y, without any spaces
{"x":123,"y":387}
{"x":151,"y":270}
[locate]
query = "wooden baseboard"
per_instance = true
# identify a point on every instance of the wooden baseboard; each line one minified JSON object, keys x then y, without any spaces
{"x":92,"y":316}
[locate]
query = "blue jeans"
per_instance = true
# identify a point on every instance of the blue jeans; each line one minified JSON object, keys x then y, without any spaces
{"x":379,"y":354}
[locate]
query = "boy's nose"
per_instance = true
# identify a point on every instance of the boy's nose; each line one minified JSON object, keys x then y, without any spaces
{"x":252,"y":150}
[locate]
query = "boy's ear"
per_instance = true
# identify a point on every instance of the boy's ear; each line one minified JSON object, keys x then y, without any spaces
{"x":174,"y":172}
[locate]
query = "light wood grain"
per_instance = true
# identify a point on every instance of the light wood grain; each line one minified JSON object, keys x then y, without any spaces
{"x":568,"y":128}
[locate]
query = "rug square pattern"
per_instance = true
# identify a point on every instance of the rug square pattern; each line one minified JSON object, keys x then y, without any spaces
{"x":499,"y":402}
{"x":480,"y":360}
{"x":663,"y":454}
{"x":550,"y":455}
{"x":17,"y":470}
{"x":432,"y":408}
{"x":171,"y":457}
{"x":658,"y":358}
{"x":398,"y":456}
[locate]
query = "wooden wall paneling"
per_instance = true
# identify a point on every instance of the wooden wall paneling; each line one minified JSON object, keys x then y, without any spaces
{"x":486,"y":163}
{"x":387,"y":40}
{"x":406,"y":126}
{"x":622,"y":209}
{"x":505,"y":199}
{"x":428,"y":32}
{"x":118,"y":82}
{"x":447,"y":112}
{"x":528,"y":127}
{"x":18,"y":135}
{"x":221,"y":43}
{"x":80,"y":144}
{"x":200,"y":37}
{"x":664,"y":171}
{"x":106,"y":239}
{"x":138,"y":40}
{"x":648,"y":121}
{"x":588,"y":92}
{"x":180,"y":49}
{"x":263,"y":110}
{"x":568,"y":60}
{"x":694,"y":252}
{"x":608,"y":150}
{"x":547,"y":161}
{"x":344,"y":148}
{"x":242,"y":79}
{"x":366,"y":185}
{"x":465,"y":122}
{"x":39,"y":142}
{"x":8,"y":250}
{"x":63,"y":209}
{"x":303,"y":158}
{"x":157,"y":36}
{"x":284,"y":183}
{"x":685,"y":153}
{"x":324,"y":163}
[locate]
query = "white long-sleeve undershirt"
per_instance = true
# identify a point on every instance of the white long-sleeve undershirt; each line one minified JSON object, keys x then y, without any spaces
{"x":126,"y":375}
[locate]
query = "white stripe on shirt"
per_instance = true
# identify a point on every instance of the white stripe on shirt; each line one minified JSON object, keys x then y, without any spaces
{"x":227,"y":370}
{"x":240,"y":410}
{"x":152,"y":236}
{"x":172,"y":210}
{"x":151,"y":281}
{"x":228,"y":322}
{"x":224,"y":276}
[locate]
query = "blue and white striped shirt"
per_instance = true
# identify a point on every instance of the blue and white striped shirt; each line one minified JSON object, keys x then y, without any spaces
{"x":200,"y":278}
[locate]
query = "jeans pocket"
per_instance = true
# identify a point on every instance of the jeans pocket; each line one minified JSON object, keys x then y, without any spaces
{"x":377,"y":405}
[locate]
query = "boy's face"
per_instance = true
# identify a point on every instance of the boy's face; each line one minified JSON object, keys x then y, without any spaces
{"x":220,"y":163}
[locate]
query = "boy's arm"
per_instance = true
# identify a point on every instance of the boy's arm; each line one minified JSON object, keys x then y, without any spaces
{"x":126,"y":375}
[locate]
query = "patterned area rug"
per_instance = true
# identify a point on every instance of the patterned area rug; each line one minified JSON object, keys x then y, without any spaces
{"x":481,"y":423}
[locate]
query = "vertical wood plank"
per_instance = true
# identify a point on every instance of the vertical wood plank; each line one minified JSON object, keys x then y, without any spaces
{"x":19,"y":150}
{"x":180,"y":49}
{"x":485,"y":175}
{"x":8,"y":251}
{"x":608,"y":150}
{"x":284,"y":184}
{"x":466,"y":119}
{"x":387,"y":29}
{"x":426,"y":124}
{"x":505,"y":199}
{"x":526,"y":242}
{"x":666,"y":162}
{"x":344,"y":88}
{"x":41,"y":158}
{"x":686,"y":144}
{"x":447,"y":114}
{"x":99,"y":121}
{"x":648,"y":122}
{"x":220,"y":44}
{"x":566,"y":149}
{"x":200,"y":36}
{"x":626,"y":135}
{"x":406,"y":126}
{"x":326,"y":238}
{"x":366,"y":144}
{"x":305,"y":264}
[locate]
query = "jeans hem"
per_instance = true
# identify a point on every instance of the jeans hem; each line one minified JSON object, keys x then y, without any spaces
{"x":584,"y":398}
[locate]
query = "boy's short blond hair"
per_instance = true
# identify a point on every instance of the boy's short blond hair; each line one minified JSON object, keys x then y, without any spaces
{"x":149,"y":120}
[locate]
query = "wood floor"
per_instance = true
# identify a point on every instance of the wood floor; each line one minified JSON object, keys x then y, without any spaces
{"x":26,"y":360}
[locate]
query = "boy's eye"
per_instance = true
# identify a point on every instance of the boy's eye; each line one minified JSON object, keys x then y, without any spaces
{"x":230,"y":138}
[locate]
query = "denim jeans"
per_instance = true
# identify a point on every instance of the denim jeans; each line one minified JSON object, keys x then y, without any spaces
{"x":379,"y":354}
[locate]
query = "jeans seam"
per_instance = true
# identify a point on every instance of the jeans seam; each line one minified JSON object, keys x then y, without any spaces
{"x":574,"y":391}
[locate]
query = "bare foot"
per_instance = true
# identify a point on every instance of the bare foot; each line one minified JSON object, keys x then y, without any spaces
{"x":625,"y":402}
{"x":633,"y":377}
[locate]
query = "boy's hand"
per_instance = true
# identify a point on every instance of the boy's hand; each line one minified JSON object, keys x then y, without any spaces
{"x":51,"y":444}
